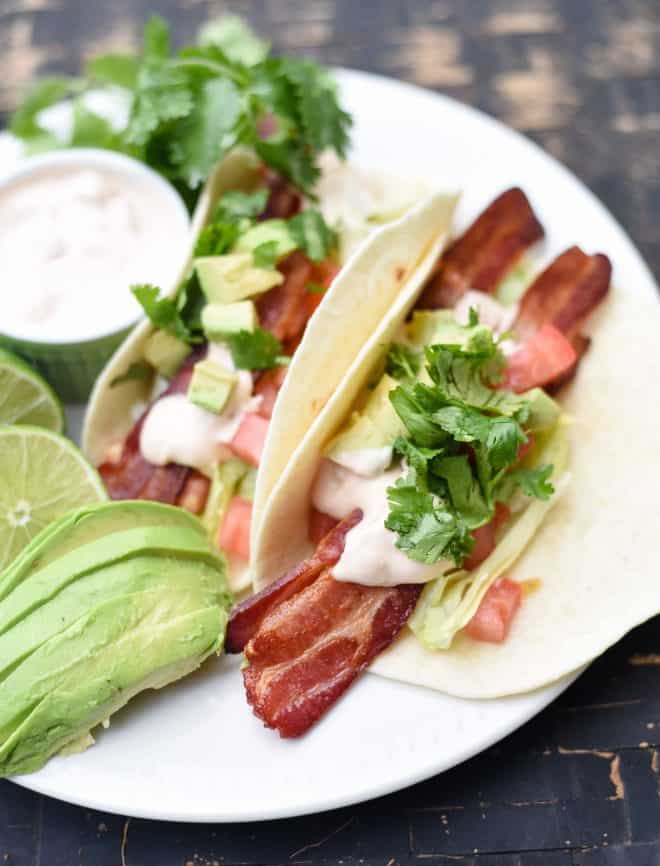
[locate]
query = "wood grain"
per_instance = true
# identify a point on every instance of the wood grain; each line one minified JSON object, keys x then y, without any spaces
{"x":579,"y":785}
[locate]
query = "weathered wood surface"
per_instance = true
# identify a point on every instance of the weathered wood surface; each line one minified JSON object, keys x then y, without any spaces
{"x":578,"y":786}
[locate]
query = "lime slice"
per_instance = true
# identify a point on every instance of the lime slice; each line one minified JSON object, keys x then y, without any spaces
{"x":26,"y":398}
{"x":42,"y":476}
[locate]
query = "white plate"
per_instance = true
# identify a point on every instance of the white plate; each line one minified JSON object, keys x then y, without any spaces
{"x":195,"y":752}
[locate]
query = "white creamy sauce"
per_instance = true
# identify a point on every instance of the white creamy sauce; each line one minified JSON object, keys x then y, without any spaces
{"x":370,"y":555}
{"x":72,"y":241}
{"x":491,"y":313}
{"x":178,"y":431}
{"x":365,"y":461}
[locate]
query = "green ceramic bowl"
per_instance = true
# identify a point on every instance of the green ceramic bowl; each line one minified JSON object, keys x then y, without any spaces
{"x":71,"y":367}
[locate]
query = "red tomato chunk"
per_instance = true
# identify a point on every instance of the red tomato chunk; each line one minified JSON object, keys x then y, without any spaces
{"x":543,"y":358}
{"x":248,"y":443}
{"x":492,"y":621}
{"x":234,"y":535}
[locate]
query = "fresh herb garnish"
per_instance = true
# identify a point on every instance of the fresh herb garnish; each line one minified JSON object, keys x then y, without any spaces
{"x":463,"y":440}
{"x":255,"y":350}
{"x":164,"y":313}
{"x":316,"y":288}
{"x":266,"y":254}
{"x":402,"y":362}
{"x":312,"y":234}
{"x":189,"y":108}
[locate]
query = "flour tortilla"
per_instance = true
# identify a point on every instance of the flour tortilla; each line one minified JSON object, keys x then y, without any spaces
{"x":597,"y":552}
{"x":110,"y":412}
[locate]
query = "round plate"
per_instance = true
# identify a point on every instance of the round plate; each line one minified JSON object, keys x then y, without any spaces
{"x":194,"y":752}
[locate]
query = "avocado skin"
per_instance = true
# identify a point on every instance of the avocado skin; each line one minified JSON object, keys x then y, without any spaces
{"x":111,"y":600}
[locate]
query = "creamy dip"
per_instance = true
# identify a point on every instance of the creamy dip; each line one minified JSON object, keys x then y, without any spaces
{"x":73,"y":238}
{"x":491,"y":313}
{"x":178,"y":431}
{"x":370,"y":555}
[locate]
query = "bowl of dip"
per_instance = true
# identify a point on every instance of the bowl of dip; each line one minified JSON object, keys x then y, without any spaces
{"x":77,"y":229}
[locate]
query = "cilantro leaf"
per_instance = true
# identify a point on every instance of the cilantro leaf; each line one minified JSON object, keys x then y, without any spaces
{"x":164,"y":313}
{"x":162,"y":94}
{"x":505,"y":436}
{"x":47,"y":92}
{"x":464,"y":490}
{"x":120,"y":70}
{"x":216,"y":238}
{"x":534,"y":482}
{"x":427,"y":530}
{"x":209,"y":130}
{"x":316,"y":288}
{"x":157,"y":38}
{"x":312,"y":234}
{"x":235,"y":39}
{"x":402,"y":362}
{"x":255,"y":350}
{"x":91,"y":130}
{"x":235,"y":205}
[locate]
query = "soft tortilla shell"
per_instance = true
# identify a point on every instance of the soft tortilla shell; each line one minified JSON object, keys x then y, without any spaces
{"x":598,"y":551}
{"x":357,"y":320}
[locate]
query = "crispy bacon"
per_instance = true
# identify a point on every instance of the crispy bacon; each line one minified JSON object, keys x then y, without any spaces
{"x":283,"y":201}
{"x":282,"y":310}
{"x":564,"y":294}
{"x":130,"y":476}
{"x":483,"y":255}
{"x":246,"y":617}
{"x":310,"y":648}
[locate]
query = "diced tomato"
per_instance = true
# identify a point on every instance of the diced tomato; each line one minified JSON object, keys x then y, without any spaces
{"x":320,"y":525}
{"x":484,"y":538}
{"x":541,"y":359}
{"x":248,"y":443}
{"x":323,"y":274}
{"x":234,"y":534}
{"x":492,"y":621}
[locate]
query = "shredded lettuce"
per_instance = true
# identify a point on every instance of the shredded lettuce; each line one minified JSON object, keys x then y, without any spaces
{"x":450,"y":601}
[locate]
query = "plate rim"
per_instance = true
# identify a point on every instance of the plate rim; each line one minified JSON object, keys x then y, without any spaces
{"x":544,"y":696}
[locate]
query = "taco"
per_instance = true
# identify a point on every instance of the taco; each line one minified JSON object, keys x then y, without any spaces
{"x":460,"y":515}
{"x":182,"y":413}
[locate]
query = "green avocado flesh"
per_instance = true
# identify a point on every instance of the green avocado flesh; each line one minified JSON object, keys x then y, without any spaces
{"x":109,"y":601}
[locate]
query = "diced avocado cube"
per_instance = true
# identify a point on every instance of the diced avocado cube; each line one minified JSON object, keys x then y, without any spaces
{"x":165,"y":353}
{"x":224,"y":485}
{"x":233,"y":277}
{"x":376,"y":425}
{"x":544,"y":412}
{"x":221,"y":319}
{"x":211,"y":386}
{"x":268,"y":232}
{"x":248,"y":483}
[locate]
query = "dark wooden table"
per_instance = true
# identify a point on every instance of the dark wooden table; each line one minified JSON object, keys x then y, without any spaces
{"x":579,"y":784}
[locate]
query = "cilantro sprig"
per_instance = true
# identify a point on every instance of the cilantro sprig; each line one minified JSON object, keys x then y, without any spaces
{"x":190,"y":107}
{"x":462,"y":442}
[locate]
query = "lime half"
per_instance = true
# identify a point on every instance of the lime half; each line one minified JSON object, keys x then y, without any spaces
{"x":26,"y":398}
{"x":42,"y":476}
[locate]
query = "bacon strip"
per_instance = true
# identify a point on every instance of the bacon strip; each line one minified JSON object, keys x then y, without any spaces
{"x":283,"y":201}
{"x":310,"y":648}
{"x":488,"y":249}
{"x":246,"y":617}
{"x":282,"y":310}
{"x":133,"y":477}
{"x":564,"y":294}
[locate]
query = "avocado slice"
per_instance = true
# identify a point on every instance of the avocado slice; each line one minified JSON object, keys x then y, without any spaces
{"x":274,"y":232}
{"x":110,"y":600}
{"x":226,"y":482}
{"x":165,"y":353}
{"x":211,"y":386}
{"x":544,"y":412}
